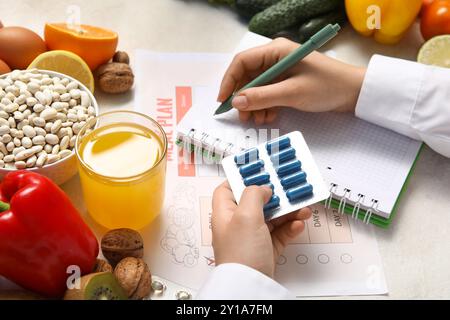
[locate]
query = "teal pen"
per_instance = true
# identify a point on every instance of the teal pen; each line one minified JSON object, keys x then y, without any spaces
{"x":316,"y":41}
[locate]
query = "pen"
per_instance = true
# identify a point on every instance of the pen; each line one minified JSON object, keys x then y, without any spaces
{"x":314,"y":43}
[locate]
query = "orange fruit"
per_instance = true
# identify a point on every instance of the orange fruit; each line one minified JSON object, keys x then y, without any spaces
{"x":94,"y":45}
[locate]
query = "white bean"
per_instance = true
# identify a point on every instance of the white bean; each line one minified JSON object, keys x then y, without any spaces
{"x":2,"y":164}
{"x":67,"y":124}
{"x":24,"y":154}
{"x":60,"y":88}
{"x":23,"y":107}
{"x":64,"y":143}
{"x":3,"y":148}
{"x":38,"y":121}
{"x":48,"y":126}
{"x":37,"y":149}
{"x":41,"y":97}
{"x":40,"y":131}
{"x":51,"y":139}
{"x":5,"y":101}
{"x":31,"y":101}
{"x":38,"y":108}
{"x":12,"y":89}
{"x":19,"y":134}
{"x":4,"y":114}
{"x":4,"y":129}
{"x":21,"y":99}
{"x":52,"y":158}
{"x":65,"y":153}
{"x":20,"y":165}
{"x":17,"y":150}
{"x":18,"y":115}
{"x":17,"y":142}
{"x":6,"y":138}
{"x":72,"y":117}
{"x":48,"y":148}
{"x":72,"y":141}
{"x":10,"y":108}
{"x":4,"y":83}
{"x":75,"y":94}
{"x":26,"y":142}
{"x":9,"y":158}
{"x":11,"y":122}
{"x":65,"y":97}
{"x":48,"y":114}
{"x":41,"y":160}
{"x":39,"y":140}
{"x":33,"y":87}
{"x":10,"y":146}
{"x":61,"y":116}
{"x":29,"y":131}
{"x":56,"y":126}
{"x":27,"y":113}
{"x":55,"y":149}
{"x":31,"y":161}
{"x":10,"y":96}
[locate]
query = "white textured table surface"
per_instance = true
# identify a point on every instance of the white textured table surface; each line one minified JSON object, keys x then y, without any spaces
{"x":415,"y":250}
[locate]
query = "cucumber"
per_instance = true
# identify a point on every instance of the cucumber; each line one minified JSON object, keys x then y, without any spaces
{"x":248,"y":8}
{"x":308,"y":29}
{"x":287,"y":13}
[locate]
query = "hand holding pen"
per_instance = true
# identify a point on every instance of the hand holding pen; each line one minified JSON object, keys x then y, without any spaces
{"x":315,"y":84}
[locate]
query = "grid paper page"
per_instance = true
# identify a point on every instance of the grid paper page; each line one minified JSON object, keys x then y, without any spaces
{"x":349,"y":152}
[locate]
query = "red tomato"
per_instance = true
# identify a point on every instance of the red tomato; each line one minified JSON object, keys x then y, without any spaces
{"x":436,"y":19}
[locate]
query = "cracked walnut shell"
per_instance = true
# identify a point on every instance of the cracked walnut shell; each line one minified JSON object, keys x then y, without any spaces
{"x":115,"y":77}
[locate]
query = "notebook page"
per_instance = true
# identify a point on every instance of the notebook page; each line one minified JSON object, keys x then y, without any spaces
{"x":351,"y":153}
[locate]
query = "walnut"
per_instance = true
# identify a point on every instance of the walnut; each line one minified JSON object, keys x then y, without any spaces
{"x":121,"y":243}
{"x":115,"y":77}
{"x":135,"y":278}
{"x":122,"y":57}
{"x":102,"y":266}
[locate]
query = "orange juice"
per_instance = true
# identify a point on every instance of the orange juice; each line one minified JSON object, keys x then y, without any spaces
{"x":122,"y":170}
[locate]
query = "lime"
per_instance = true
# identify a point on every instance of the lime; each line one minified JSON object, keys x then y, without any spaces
{"x":436,"y":51}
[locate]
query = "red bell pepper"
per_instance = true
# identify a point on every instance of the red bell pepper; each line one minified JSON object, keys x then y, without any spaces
{"x":41,"y":234}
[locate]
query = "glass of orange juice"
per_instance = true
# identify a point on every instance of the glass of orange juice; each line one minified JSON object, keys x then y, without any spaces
{"x":122,"y":165}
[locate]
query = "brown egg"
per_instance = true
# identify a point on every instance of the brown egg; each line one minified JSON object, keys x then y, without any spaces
{"x":19,"y":46}
{"x":4,"y":68}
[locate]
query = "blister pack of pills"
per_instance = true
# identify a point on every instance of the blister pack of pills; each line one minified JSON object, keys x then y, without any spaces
{"x":286,"y":165}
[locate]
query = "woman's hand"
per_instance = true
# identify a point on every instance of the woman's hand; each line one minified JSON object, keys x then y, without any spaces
{"x":240,"y":234}
{"x":316,"y":84}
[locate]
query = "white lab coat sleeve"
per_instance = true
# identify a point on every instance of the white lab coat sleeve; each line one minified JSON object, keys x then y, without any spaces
{"x":410,"y":98}
{"x":232,"y":281}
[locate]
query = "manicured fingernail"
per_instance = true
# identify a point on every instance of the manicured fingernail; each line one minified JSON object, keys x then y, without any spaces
{"x":240,"y":102}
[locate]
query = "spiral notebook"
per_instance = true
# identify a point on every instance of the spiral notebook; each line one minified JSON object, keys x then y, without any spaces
{"x":366,"y":166}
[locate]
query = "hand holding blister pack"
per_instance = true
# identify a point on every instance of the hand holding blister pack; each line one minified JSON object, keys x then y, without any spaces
{"x":286,"y":165}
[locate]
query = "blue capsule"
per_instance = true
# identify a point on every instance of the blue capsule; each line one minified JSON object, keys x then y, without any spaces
{"x":258,"y":179}
{"x":288,"y":168}
{"x":278,"y":145}
{"x":247,"y":156}
{"x":273,"y":203}
{"x":283,"y":156}
{"x":293,"y":180}
{"x":251,"y":168}
{"x":299,"y":192}
{"x":271,"y":186}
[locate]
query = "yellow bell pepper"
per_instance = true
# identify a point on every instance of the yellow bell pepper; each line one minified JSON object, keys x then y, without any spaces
{"x":386,"y":20}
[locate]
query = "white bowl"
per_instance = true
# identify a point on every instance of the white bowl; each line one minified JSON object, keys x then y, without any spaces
{"x":64,"y":169}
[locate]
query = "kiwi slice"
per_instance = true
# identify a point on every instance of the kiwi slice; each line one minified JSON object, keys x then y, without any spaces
{"x":97,"y":286}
